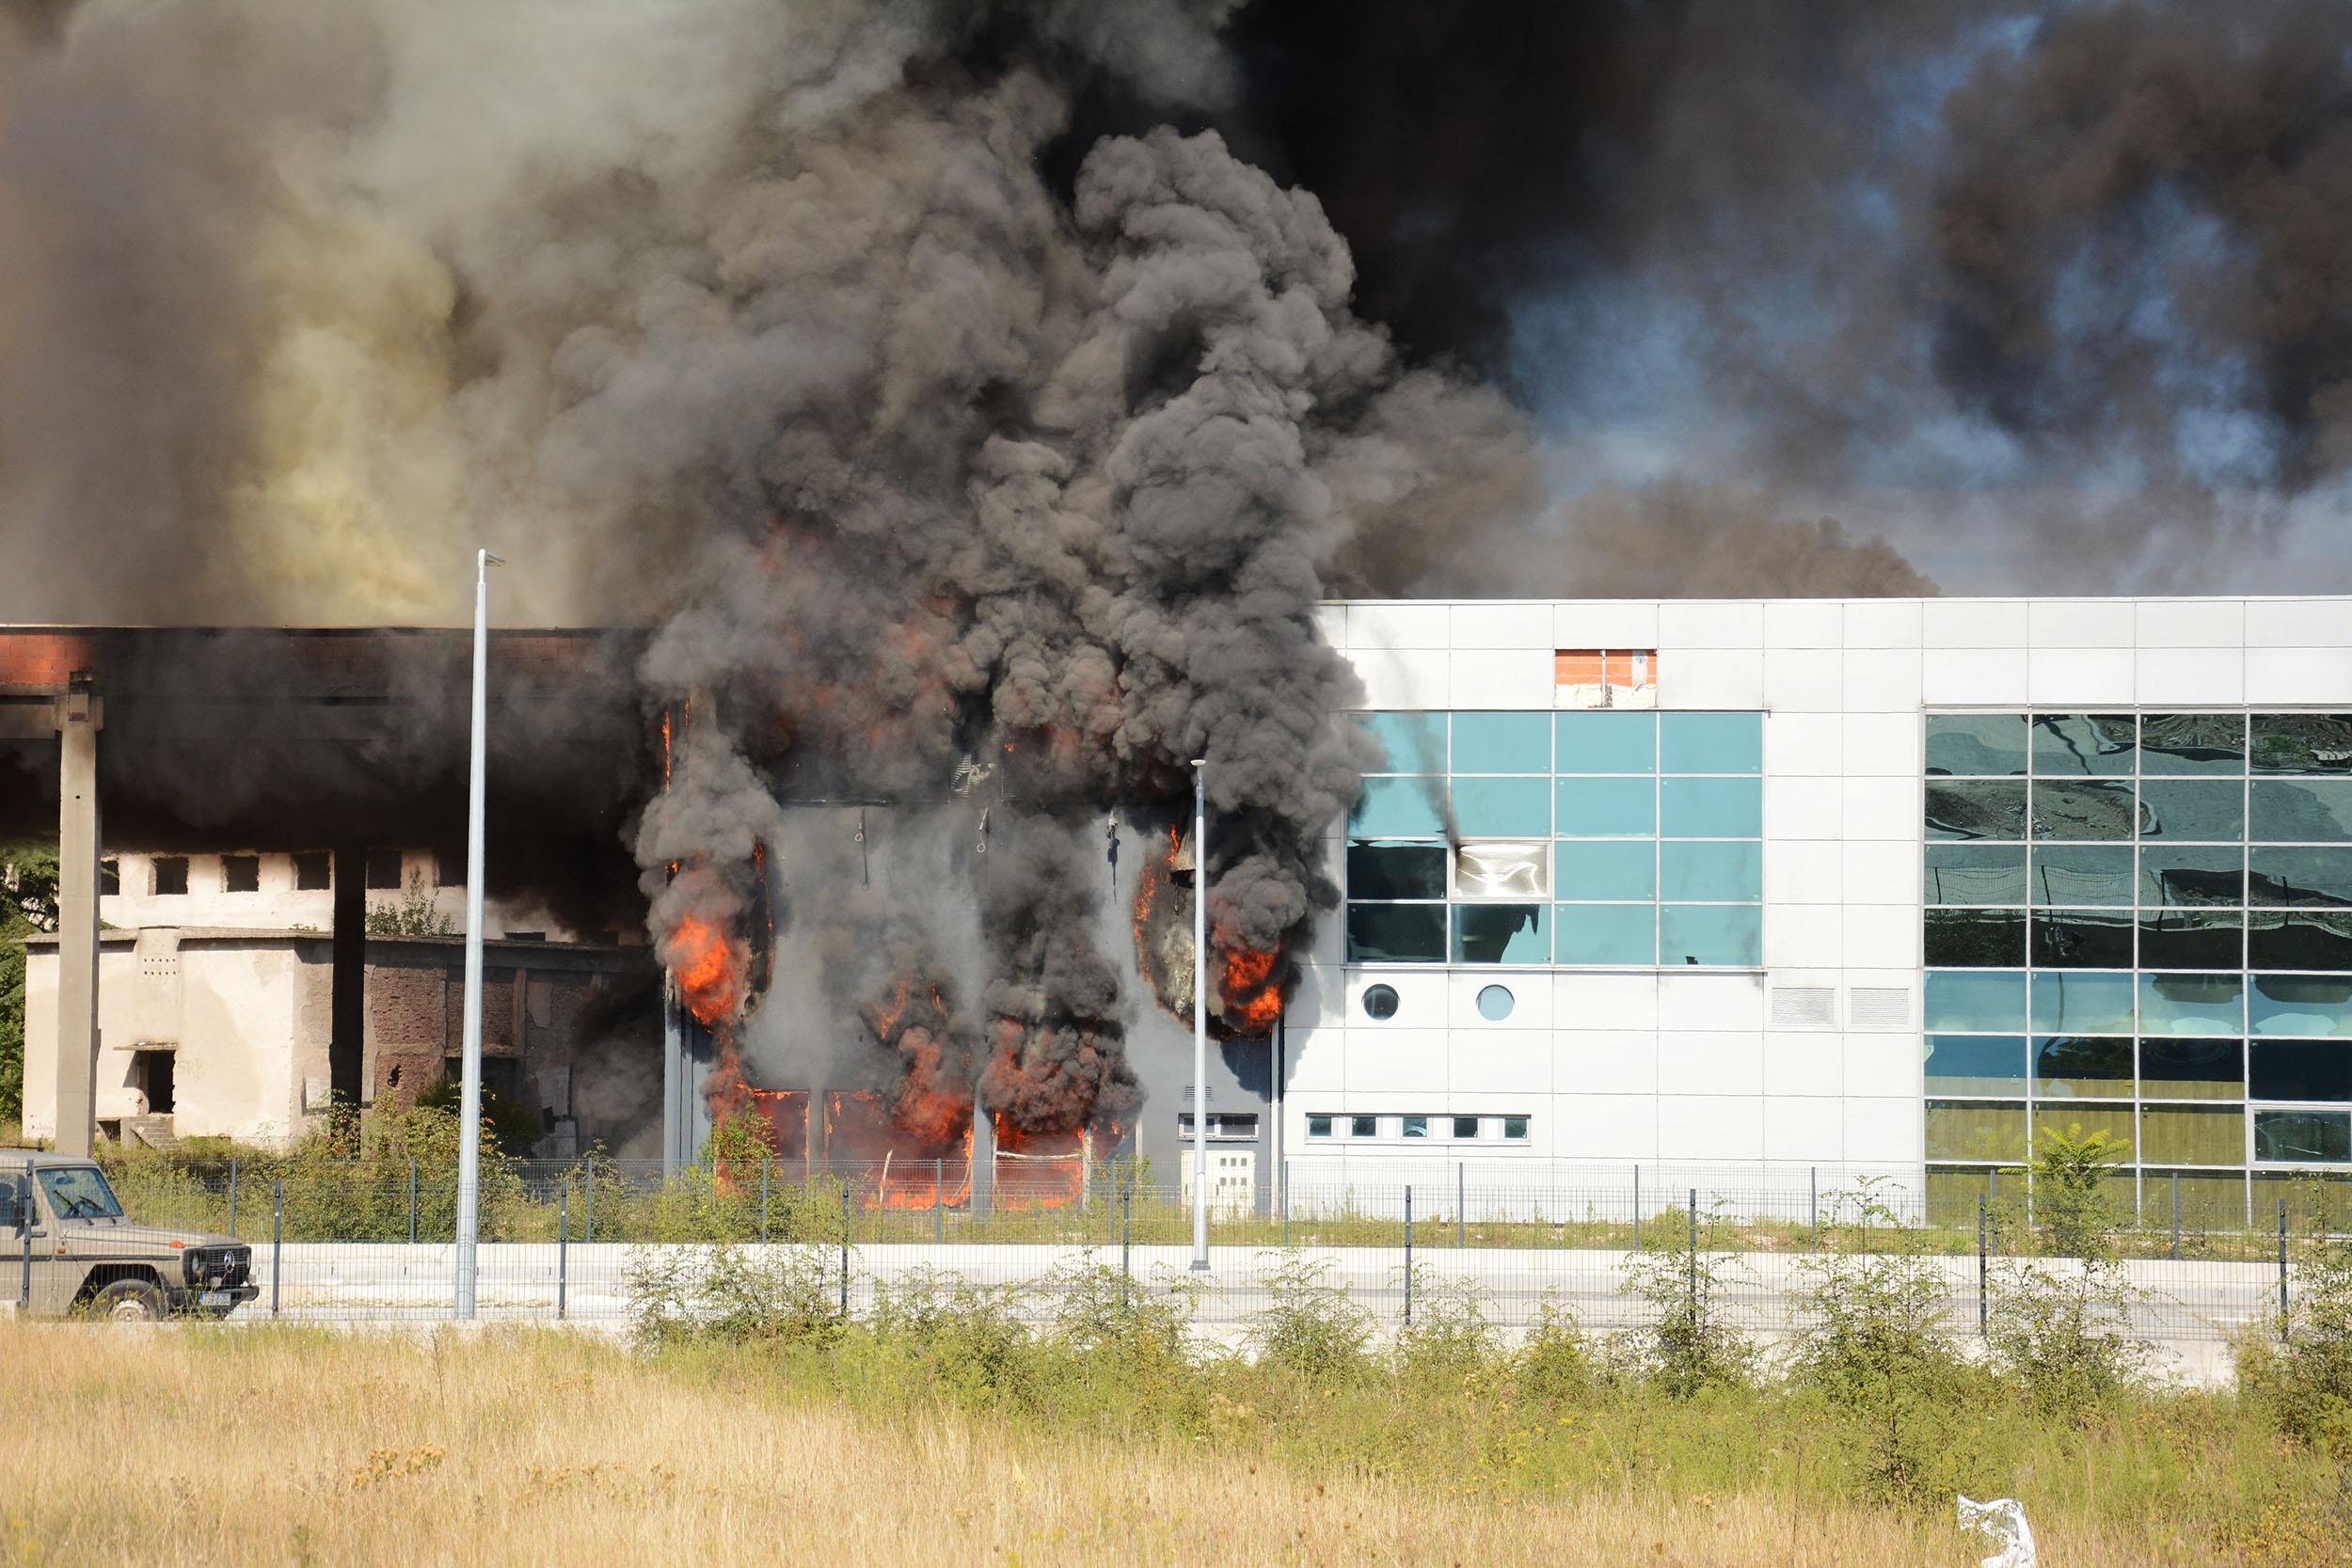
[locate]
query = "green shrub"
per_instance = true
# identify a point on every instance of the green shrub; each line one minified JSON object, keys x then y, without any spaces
{"x":2305,"y":1384}
{"x":1451,"y":1339}
{"x":1311,"y":1329}
{"x":733,"y":1294}
{"x":2057,"y":1327}
{"x":1690,"y":1344}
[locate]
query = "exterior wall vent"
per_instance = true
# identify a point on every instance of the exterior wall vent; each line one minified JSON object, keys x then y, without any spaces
{"x":1803,"y":1007}
{"x":1879,"y":1007}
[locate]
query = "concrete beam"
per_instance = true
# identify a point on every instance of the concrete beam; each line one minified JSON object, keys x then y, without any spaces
{"x":77,"y":717}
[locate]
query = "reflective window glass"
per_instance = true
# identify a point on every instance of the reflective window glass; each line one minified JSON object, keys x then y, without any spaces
{"x":1606,"y":743}
{"x":1710,"y":808}
{"x":2071,"y":1065}
{"x":2084,"y":743}
{"x":2303,"y":875}
{"x":1503,"y":808}
{"x":1396,"y":870}
{"x":2299,"y":1069}
{"x":1605,"y":808}
{"x":1975,"y":874}
{"x":1503,"y":743}
{"x":1710,"y":872}
{"x":2193,"y":1135}
{"x":1710,"y":743}
{"x":1502,"y":934}
{"x":2192,"y":939}
{"x":1398,"y":808}
{"x":2080,"y":938}
{"x":2315,"y":810}
{"x":1502,"y":869}
{"x":1514,"y":1126}
{"x":1976,"y":938}
{"x":1975,"y":808}
{"x":1396,"y":933}
{"x":1971,"y":1130}
{"x":2082,"y":811}
{"x":2297,"y":1136}
{"x":1976,"y":1064}
{"x":2192,"y":1069}
{"x":2176,"y":877}
{"x":1605,"y":934}
{"x":2192,"y":743}
{"x":1979,"y":745}
{"x":1729,"y":934}
{"x":1363,"y":1127}
{"x":1409,"y":742}
{"x":2082,"y":874}
{"x":2302,"y":743}
{"x":2192,"y":1005}
{"x":1963,"y":1000}
{"x":2299,"y":939}
{"x":1414,"y":1127}
{"x":1318,"y":1126}
{"x":2302,"y":1005}
{"x":2082,"y":1001}
{"x":2080,"y":1119}
{"x":2192,"y":809}
{"x":1605,"y":868}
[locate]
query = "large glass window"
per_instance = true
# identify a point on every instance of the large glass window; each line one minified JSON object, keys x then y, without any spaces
{"x":1977,"y":745}
{"x":2082,"y":874}
{"x":2085,"y":743}
{"x":1963,"y":874}
{"x":1716,"y":871}
{"x":2192,"y":809}
{"x":1607,"y":808}
{"x":2192,"y":743}
{"x":1710,"y":934}
{"x":1624,"y":934}
{"x":1606,"y":742}
{"x":1500,"y":934}
{"x":1605,"y":868}
{"x":2312,"y":1136}
{"x":2305,"y":877}
{"x":1710,"y":742}
{"x":1502,"y":743}
{"x":2071,"y":1067}
{"x":2308,"y":1004}
{"x":2299,"y":1069}
{"x":1977,"y":1064}
{"x":1977,"y":939}
{"x":2194,"y":875}
{"x":2316,"y":810}
{"x":2082,"y":811}
{"x":2192,"y":1069}
{"x":2311,"y":743}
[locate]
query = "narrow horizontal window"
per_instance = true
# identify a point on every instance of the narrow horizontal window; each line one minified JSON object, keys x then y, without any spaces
{"x":1502,"y":934}
{"x":1964,"y":1002}
{"x":1590,"y":870}
{"x":1710,"y":743}
{"x":2320,"y":1137}
{"x":1720,"y":935}
{"x":2301,"y":877}
{"x":2080,"y":874}
{"x":1502,"y":743}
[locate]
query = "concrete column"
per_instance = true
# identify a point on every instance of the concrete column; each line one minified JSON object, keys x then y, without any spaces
{"x":347,"y":1008}
{"x":79,"y":716}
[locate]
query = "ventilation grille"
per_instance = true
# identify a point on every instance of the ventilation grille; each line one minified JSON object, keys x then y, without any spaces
{"x":1803,"y":1007}
{"x":1880,"y":1006}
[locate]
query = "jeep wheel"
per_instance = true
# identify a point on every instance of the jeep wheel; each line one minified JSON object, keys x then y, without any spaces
{"x":128,"y":1301}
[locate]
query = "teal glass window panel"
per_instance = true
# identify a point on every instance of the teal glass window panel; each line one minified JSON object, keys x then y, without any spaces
{"x":1977,"y":745}
{"x":1606,"y":743}
{"x":1503,"y":808}
{"x":2307,"y":743}
{"x":2077,"y":811}
{"x":2299,"y":1069}
{"x":1976,"y":1064}
{"x":1710,"y":872}
{"x":1605,"y":934}
{"x":1721,"y":934}
{"x":2192,"y":1069}
{"x":1975,"y":874}
{"x":2085,"y":744}
{"x":2192,"y":809}
{"x":1502,"y":934}
{"x":2081,"y":939}
{"x":2192,"y":743}
{"x":1710,"y":808}
{"x":1410,"y":742}
{"x":2179,"y":876}
{"x":1605,"y":808}
{"x":1396,"y":933}
{"x":2082,"y":1001}
{"x":2301,"y":877}
{"x":1503,"y":743}
{"x":2213,"y":1005}
{"x":1974,"y":1001}
{"x":1395,"y":870}
{"x":2299,"y":939}
{"x":2316,"y":1137}
{"x":1976,"y":938}
{"x":1398,"y":808}
{"x":2196,"y":939}
{"x":1710,"y":743}
{"x":1605,"y":869}
{"x":2288,"y":812}
{"x":1975,"y":808}
{"x":2083,"y":876}
{"x":2077,"y":1067}
{"x":2309,"y":1005}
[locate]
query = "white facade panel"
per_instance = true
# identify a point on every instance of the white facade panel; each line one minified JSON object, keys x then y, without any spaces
{"x":1605,"y":1126}
{"x":1388,"y":623}
{"x":1720,"y":1002}
{"x":1881,"y":745}
{"x":1629,"y":624}
{"x":1884,"y":623}
{"x":2191,"y":677}
{"x":1711,"y":679}
{"x":2191,"y":623}
{"x":1502,"y":623}
{"x":1883,"y":1065}
{"x":1420,"y":998}
{"x":1807,"y":743}
{"x":1884,"y":1132}
{"x":1805,"y":1064}
{"x":1686,"y":624}
{"x":2291,"y":676}
{"x":1710,"y":1127}
{"x":1970,"y":678}
{"x":1607,"y":1002}
{"x":1803,"y":936}
{"x":1884,"y":872}
{"x":1798,"y":872}
{"x":2062,"y":677}
{"x":1804,"y":624}
{"x":1512,"y":677}
{"x":1880,"y":809}
{"x":1975,"y":624}
{"x":1809,"y":1129}
{"x":1883,"y":680}
{"x":1799,"y":808}
{"x":2299,"y":624}
{"x":1404,"y":678}
{"x":1617,"y":1061}
{"x":1530,"y":1001}
{"x":1395,"y":1060}
{"x":1717,"y":1061}
{"x":1804,"y":680}
{"x":2080,"y":623}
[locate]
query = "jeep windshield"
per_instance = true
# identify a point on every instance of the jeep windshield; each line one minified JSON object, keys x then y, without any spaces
{"x":79,"y":1193}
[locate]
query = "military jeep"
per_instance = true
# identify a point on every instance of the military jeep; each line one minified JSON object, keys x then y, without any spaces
{"x":67,"y":1249}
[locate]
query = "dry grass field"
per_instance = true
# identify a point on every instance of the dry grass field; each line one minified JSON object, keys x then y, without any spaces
{"x":238,"y":1447}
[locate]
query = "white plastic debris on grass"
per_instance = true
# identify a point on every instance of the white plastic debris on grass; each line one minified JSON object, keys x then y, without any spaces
{"x":2004,"y":1520}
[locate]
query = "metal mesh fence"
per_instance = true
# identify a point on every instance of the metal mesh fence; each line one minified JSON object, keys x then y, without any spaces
{"x":361,"y":1240}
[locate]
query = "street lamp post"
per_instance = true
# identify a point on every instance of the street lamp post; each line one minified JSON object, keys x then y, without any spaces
{"x":469,"y":1113}
{"x":1200,"y":1017}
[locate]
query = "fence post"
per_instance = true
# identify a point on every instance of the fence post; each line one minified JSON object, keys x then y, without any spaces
{"x":1983,"y":1228}
{"x":939,"y":1202}
{"x":845,"y":1252}
{"x":25,"y":1223}
{"x":1126,"y":1224}
{"x":1408,"y":1255}
{"x":2282,"y":1268}
{"x":588,"y":1201}
{"x":1461,"y":1201}
{"x":1637,"y":1208}
{"x":763,"y":1163}
{"x":2176,"y":1216}
{"x":277,"y":1238}
{"x":233,"y":1194}
{"x":1813,"y":1201}
{"x":412,"y":1200}
{"x":563,"y":1247}
{"x":1286,"y":1203}
{"x":1694,"y":1251}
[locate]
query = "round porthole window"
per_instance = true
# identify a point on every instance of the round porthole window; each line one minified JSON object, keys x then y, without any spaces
{"x":1379,"y":1001}
{"x":1495,"y":1002}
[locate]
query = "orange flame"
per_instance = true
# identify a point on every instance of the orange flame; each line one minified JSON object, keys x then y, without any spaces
{"x":1040,"y":1170}
{"x":1250,"y":1001}
{"x":709,"y":969}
